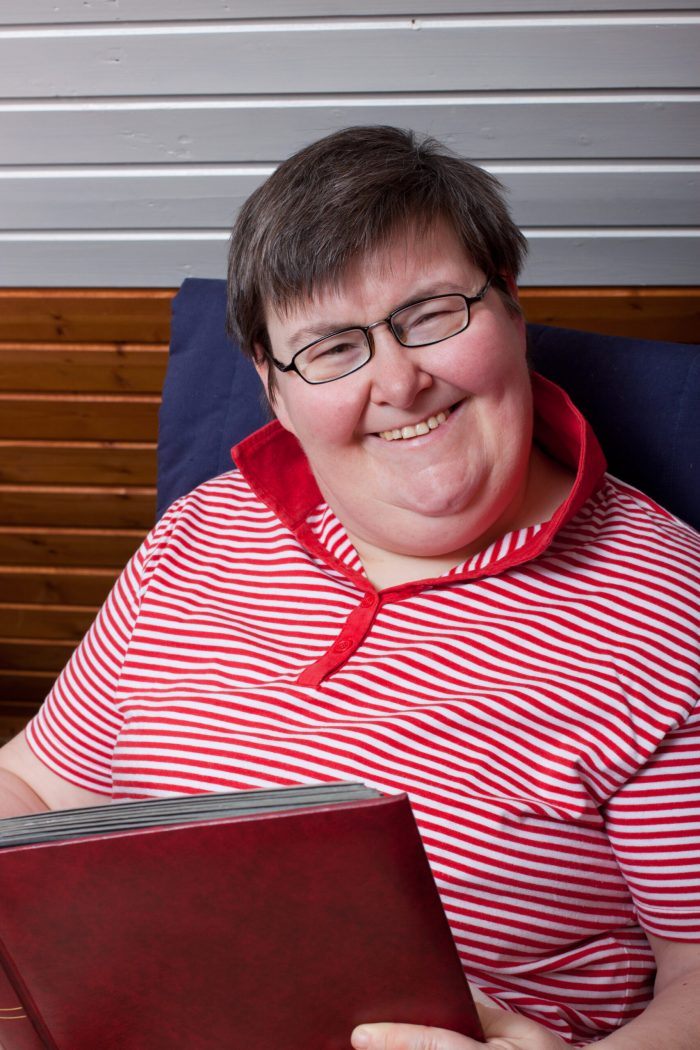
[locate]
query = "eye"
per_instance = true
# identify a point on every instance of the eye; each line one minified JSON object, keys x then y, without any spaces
{"x":430,"y":317}
{"x":335,"y":347}
{"x":432,"y":320}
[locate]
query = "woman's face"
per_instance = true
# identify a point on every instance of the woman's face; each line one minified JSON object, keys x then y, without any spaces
{"x":434,"y":493}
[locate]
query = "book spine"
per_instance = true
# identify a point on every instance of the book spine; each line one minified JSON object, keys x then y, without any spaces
{"x":17,"y":1029}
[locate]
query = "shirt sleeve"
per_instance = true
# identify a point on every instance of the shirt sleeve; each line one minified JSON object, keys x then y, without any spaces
{"x":653,"y":823}
{"x":75,"y":731}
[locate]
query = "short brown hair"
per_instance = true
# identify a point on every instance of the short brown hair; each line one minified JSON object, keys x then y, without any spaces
{"x":345,"y":197}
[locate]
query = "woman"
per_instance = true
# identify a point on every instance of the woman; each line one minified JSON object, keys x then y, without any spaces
{"x":421,"y":578}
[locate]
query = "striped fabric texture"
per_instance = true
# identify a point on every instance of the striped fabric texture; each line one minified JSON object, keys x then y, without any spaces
{"x":537,"y":703}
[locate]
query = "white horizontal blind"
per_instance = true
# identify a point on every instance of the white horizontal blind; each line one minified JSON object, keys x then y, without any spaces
{"x":61,"y":11}
{"x":132,"y":130}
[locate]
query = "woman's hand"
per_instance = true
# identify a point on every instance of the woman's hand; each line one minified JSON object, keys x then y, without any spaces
{"x":503,"y":1031}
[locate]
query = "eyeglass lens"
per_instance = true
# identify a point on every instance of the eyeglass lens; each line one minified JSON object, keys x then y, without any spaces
{"x":421,"y":324}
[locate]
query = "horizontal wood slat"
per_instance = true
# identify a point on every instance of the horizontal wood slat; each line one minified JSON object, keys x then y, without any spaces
{"x":65,"y":316}
{"x":35,"y":655}
{"x":542,"y":193}
{"x":51,"y":12}
{"x":450,"y":53}
{"x":82,"y":417}
{"x":254,"y":130}
{"x":36,"y":621}
{"x":82,"y":368}
{"x":85,"y":547}
{"x":20,"y":696}
{"x":87,"y":506}
{"x":76,"y":463}
{"x":47,"y":584}
{"x":563,"y":257}
{"x":668,"y":314}
{"x":77,"y":315}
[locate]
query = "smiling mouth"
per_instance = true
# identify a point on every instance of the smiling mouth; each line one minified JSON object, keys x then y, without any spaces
{"x":416,"y":429}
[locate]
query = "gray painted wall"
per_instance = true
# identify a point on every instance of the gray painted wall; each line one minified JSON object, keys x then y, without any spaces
{"x":131,"y":130}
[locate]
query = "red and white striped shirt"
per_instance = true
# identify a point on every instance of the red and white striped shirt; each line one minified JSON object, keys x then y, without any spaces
{"x":537,"y":702}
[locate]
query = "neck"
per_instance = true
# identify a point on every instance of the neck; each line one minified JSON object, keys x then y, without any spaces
{"x":548,"y":485}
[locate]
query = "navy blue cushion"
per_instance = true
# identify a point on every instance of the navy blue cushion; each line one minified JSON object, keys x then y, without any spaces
{"x":212,"y":397}
{"x":641,"y":397}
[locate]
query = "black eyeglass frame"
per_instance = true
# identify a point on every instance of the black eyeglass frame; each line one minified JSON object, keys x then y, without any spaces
{"x":469,"y":300}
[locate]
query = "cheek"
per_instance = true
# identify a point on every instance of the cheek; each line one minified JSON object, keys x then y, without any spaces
{"x":282,"y":415}
{"x":505,"y":366}
{"x":318,"y":422}
{"x":490,"y":371}
{"x":321,"y":418}
{"x":489,"y":358}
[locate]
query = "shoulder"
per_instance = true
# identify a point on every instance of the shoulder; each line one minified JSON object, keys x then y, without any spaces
{"x":632,"y":570}
{"x":223,"y":498}
{"x":623,"y":520}
{"x":629,"y":500}
{"x":637,"y":563}
{"x":222,"y":514}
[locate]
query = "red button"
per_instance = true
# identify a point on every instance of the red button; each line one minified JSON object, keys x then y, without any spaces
{"x":343,"y":645}
{"x":367,"y":601}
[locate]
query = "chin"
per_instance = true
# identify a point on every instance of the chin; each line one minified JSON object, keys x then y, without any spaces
{"x":439,"y":508}
{"x":439,"y":502}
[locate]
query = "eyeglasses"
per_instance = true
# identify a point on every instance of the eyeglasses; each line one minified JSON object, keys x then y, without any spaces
{"x":424,"y":323}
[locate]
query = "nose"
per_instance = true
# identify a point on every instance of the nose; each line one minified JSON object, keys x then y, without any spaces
{"x":397,"y":375}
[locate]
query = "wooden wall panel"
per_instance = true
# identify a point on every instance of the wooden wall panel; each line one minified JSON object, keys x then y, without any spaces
{"x":79,"y":463}
{"x":67,"y":322}
{"x":24,"y":686}
{"x":80,"y":380}
{"x":93,"y":548}
{"x":48,"y":622}
{"x":83,"y":417}
{"x":79,"y":368}
{"x":45,"y":654}
{"x":671,"y":314}
{"x":63,"y":316}
{"x":49,"y":584}
{"x":88,"y":506}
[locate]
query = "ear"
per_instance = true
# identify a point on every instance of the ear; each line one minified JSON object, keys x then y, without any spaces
{"x":512,"y":287}
{"x":514,"y":293}
{"x":262,"y":366}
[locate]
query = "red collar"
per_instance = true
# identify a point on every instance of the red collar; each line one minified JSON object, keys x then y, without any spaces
{"x":275,"y":467}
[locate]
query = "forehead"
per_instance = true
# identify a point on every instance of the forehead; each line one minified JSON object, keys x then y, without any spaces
{"x":411,"y":266}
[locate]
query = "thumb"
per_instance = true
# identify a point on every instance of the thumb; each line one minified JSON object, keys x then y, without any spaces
{"x":387,"y":1036}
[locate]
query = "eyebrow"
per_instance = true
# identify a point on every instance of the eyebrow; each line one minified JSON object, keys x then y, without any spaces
{"x":309,"y":334}
{"x":303,"y":336}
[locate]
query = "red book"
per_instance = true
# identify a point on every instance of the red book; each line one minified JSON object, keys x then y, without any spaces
{"x":147,"y":926}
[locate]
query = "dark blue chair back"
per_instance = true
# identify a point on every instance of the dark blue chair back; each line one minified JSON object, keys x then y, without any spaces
{"x":641,"y":397}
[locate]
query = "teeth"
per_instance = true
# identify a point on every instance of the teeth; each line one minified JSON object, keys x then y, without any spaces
{"x":424,"y":427}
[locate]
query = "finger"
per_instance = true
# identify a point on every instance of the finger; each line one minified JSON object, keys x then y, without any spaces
{"x":386,"y":1036}
{"x":493,"y":1018}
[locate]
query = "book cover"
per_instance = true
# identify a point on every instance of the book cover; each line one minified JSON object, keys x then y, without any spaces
{"x":281,"y":926}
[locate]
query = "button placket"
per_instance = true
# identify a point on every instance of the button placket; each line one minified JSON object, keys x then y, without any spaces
{"x":348,"y":640}
{"x":343,"y":644}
